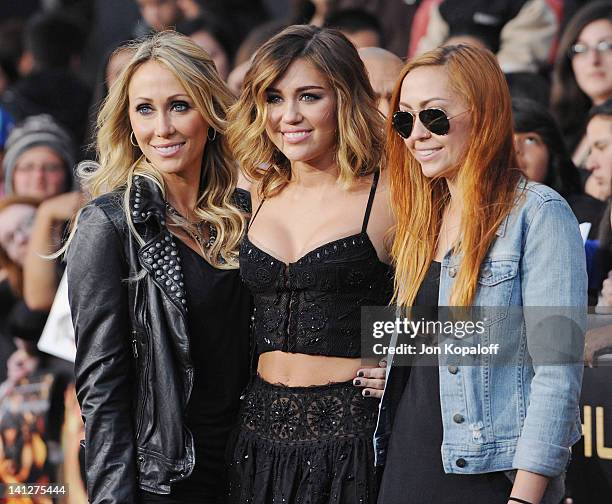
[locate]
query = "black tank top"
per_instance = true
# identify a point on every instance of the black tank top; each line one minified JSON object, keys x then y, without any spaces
{"x":413,"y":460}
{"x":313,"y":306}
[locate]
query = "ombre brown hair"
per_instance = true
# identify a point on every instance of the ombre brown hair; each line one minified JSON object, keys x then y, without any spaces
{"x":487,"y":176}
{"x":359,"y":139}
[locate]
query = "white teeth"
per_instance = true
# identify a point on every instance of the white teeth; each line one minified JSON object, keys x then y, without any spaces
{"x":169,"y":150}
{"x":296,"y":134}
{"x":428,"y":152}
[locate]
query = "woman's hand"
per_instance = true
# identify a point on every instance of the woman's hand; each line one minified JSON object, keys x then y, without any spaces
{"x":596,"y":341}
{"x":606,"y":292}
{"x":61,"y":208}
{"x":372,"y":380}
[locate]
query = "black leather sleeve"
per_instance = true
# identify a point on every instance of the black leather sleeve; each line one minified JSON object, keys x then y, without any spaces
{"x":97,"y":269}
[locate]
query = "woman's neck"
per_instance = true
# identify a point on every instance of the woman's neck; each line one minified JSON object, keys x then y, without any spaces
{"x":456,"y":195}
{"x":599,"y":100}
{"x":306,"y":175}
{"x":318,"y":20}
{"x":182,"y":193}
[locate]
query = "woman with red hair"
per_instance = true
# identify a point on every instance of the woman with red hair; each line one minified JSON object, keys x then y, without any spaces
{"x":473,"y":233}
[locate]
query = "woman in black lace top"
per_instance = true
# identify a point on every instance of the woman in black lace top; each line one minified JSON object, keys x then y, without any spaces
{"x":307,"y":133}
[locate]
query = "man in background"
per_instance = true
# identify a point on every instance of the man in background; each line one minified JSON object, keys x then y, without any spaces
{"x":52,"y":42}
{"x":383,"y":69}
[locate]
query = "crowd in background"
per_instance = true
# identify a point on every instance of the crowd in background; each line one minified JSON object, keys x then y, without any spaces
{"x":58,"y":59}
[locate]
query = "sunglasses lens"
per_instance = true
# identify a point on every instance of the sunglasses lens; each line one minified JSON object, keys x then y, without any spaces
{"x":435,"y":120}
{"x":403,"y":122}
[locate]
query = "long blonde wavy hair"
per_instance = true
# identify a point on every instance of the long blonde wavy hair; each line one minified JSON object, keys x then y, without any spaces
{"x":359,"y":138}
{"x":119,"y":160}
{"x":487,"y":176}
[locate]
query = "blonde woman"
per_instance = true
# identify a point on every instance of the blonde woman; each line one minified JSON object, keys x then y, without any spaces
{"x":307,"y":133}
{"x":156,"y":299}
{"x":471,"y":232}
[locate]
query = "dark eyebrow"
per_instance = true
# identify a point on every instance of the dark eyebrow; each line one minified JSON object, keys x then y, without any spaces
{"x":299,"y":90}
{"x":425,"y":102}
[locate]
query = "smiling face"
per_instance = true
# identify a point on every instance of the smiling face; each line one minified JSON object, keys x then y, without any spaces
{"x":170,"y":131}
{"x":302,"y":115}
{"x":15,"y":228}
{"x":592,"y":69}
{"x":39,"y":173}
{"x":532,"y":155}
{"x":438,"y":155}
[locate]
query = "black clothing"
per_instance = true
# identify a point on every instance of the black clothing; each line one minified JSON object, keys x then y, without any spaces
{"x":427,"y":295}
{"x":56,"y":92}
{"x":303,"y":445}
{"x":193,"y":498}
{"x":587,"y":209}
{"x":16,"y":321}
{"x":24,"y":323}
{"x":134,"y":371}
{"x":484,"y":19}
{"x":310,"y":444}
{"x":219,"y":308}
{"x":312,"y":306}
{"x":7,"y":346}
{"x":414,"y":471}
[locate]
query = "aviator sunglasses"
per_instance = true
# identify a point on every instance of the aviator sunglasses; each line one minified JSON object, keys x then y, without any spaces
{"x":435,"y":120}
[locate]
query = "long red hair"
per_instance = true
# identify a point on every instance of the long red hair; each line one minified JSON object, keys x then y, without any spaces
{"x":487,"y":176}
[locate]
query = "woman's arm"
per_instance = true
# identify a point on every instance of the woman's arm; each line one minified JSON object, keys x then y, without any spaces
{"x":554,"y":290}
{"x":529,"y":487}
{"x":40,"y":279}
{"x":97,"y":270}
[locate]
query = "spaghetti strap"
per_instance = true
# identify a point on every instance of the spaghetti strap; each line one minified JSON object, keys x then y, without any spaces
{"x":255,"y":214}
{"x":366,"y":217}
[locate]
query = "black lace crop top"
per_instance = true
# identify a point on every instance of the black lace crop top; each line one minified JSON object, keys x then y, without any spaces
{"x":313,"y":306}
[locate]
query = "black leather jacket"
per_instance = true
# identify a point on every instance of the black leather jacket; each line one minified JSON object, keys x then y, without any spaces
{"x":133,"y":369}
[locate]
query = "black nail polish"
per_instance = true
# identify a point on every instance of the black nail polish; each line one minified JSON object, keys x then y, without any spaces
{"x":357,"y":382}
{"x":360,"y":374}
{"x":366,"y":392}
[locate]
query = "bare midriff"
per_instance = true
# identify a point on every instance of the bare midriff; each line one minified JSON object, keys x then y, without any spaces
{"x":302,"y":370}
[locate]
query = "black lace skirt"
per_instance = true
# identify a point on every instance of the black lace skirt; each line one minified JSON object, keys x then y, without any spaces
{"x":304,"y":445}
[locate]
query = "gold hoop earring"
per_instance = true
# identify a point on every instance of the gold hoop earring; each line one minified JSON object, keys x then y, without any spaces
{"x":133,"y":139}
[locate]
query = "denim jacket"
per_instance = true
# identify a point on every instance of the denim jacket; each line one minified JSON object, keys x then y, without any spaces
{"x":525,"y":415}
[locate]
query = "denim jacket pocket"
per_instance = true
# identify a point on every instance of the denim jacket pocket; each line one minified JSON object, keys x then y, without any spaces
{"x":495,"y":284}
